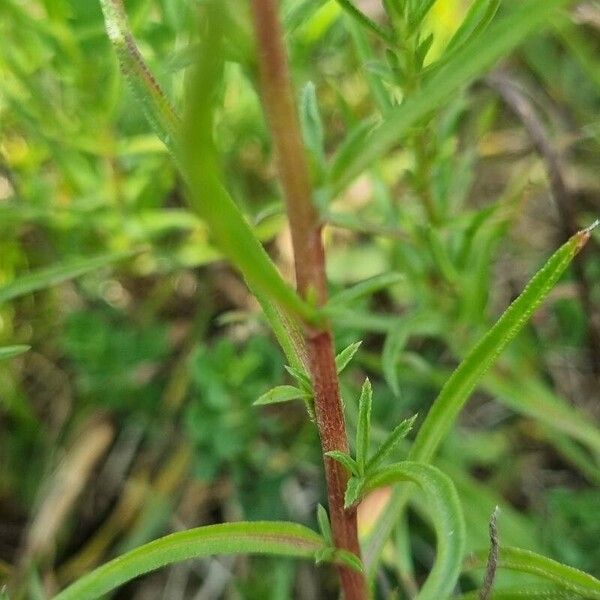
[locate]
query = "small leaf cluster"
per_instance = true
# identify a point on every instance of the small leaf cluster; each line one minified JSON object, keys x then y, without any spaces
{"x":303,"y":389}
{"x":361,"y":467}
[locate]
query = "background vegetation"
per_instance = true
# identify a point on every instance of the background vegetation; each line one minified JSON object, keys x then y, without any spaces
{"x":132,"y":413}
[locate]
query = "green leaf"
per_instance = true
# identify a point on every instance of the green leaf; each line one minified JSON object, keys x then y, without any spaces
{"x":365,"y":288}
{"x":324,"y":555}
{"x":281,"y":393}
{"x":312,"y":126}
{"x":478,"y":17}
{"x":366,"y":55}
{"x":50,"y":276}
{"x":457,"y":389}
{"x":324,"y":525}
{"x":418,"y":12}
{"x":261,"y":537}
{"x":345,"y":356}
{"x":524,"y":561}
{"x":158,"y":109}
{"x":363,"y":428}
{"x":344,"y":459}
{"x":390,"y":442}
{"x":301,"y":378}
{"x":468,"y":63}
{"x":7,"y":352}
{"x":354,"y":491}
{"x":423,"y":49}
{"x":447,"y":518}
{"x":461,"y":383}
{"x":348,"y":559}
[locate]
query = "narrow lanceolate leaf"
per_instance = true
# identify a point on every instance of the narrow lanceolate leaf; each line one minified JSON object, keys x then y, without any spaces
{"x":446,"y":516}
{"x":156,"y":106}
{"x":479,"y":16}
{"x":282,"y":393}
{"x":345,"y":356}
{"x":275,"y":538}
{"x":418,"y":12}
{"x":363,"y":429}
{"x":344,"y":459}
{"x":392,"y":440}
{"x":354,"y":491}
{"x":7,"y":352}
{"x":312,"y":126}
{"x":467,"y":63}
{"x":48,"y":277}
{"x":324,"y":525}
{"x":515,"y":559}
{"x":461,"y":383}
{"x":457,"y":389}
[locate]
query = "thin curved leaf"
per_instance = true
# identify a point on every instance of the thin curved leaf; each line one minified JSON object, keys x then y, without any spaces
{"x":363,"y":429}
{"x":524,"y":561}
{"x":447,"y":517}
{"x":157,"y":108}
{"x":463,"y":380}
{"x":261,"y":537}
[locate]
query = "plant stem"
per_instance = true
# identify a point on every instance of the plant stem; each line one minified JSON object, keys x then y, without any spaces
{"x":309,"y":259}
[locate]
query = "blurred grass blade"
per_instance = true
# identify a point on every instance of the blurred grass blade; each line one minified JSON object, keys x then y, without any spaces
{"x":363,"y":429}
{"x":261,"y":537}
{"x":156,"y":106}
{"x":456,"y":391}
{"x":447,"y":518}
{"x":44,"y":278}
{"x":7,"y":352}
{"x":344,"y":459}
{"x":468,"y":63}
{"x":524,"y":561}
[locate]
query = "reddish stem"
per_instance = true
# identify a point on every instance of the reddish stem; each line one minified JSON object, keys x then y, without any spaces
{"x":309,"y":259}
